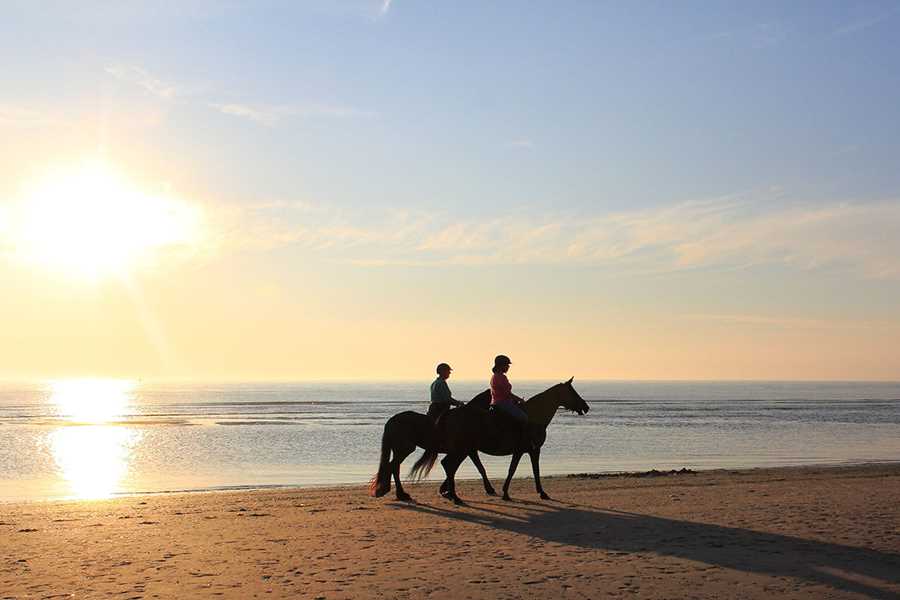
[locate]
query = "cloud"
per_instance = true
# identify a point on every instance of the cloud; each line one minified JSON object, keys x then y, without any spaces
{"x":757,"y":36}
{"x":767,"y":35}
{"x":765,"y":321}
{"x":852,"y":27}
{"x":264,"y":114}
{"x":141,"y":78}
{"x":269,"y":115}
{"x":76,"y":117}
{"x":14,"y":116}
{"x":522,"y":143}
{"x":385,"y":7}
{"x":724,"y":233}
{"x":789,"y":322}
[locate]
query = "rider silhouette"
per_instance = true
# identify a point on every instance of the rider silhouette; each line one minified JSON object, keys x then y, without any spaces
{"x":441,"y":398}
{"x":503,"y":400}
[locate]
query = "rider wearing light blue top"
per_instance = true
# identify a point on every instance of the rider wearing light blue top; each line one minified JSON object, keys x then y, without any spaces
{"x":441,"y":397}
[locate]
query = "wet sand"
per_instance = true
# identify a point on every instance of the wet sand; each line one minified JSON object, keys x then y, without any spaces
{"x":786,"y":533}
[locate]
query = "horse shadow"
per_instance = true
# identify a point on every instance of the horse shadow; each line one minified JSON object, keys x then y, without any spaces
{"x":845,"y":568}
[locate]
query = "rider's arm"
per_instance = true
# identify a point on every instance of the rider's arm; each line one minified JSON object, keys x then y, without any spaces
{"x":443,"y":393}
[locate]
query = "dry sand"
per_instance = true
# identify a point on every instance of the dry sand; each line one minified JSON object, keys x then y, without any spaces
{"x":795,"y":533}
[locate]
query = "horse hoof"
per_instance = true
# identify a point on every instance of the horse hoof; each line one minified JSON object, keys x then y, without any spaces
{"x":545,"y":496}
{"x":507,"y":498}
{"x":458,"y":501}
{"x":446,"y":494}
{"x":405,"y":498}
{"x":490,"y":492}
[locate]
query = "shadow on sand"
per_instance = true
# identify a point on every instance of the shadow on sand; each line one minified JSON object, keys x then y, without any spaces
{"x":844,"y":568}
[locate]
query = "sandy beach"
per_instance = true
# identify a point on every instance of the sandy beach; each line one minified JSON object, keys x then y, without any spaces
{"x":793,"y":533}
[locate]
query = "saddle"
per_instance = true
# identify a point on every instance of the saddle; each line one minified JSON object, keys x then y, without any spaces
{"x":438,"y":415}
{"x":498,"y":416}
{"x":507,"y":427}
{"x":503,"y":422}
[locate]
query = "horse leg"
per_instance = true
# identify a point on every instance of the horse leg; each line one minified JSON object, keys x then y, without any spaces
{"x":513,"y":464}
{"x":536,"y":468}
{"x":400,"y":455}
{"x":488,"y":488}
{"x":445,"y":485}
{"x":451,"y":466}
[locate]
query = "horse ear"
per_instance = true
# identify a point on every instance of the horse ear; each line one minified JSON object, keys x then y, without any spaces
{"x":569,"y":382}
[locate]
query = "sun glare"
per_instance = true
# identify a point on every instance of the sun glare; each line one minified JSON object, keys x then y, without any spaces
{"x":92,"y":222}
{"x":91,"y":400}
{"x":92,"y":453}
{"x":94,"y":459}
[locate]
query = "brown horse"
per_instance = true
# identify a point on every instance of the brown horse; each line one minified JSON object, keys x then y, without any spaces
{"x":468,"y":430}
{"x":407,"y":430}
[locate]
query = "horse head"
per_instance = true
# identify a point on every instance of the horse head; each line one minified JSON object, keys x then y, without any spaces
{"x":571,"y":400}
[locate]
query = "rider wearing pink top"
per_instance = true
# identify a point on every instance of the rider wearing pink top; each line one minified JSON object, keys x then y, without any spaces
{"x":502,"y":397}
{"x":501,"y":389}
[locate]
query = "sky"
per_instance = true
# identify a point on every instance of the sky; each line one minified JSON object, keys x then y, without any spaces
{"x":360,"y":190}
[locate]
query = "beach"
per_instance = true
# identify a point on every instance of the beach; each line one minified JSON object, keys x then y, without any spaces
{"x":806,"y":532}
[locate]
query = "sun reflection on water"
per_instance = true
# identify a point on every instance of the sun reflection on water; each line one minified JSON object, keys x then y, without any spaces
{"x":91,"y":400}
{"x":93,"y":453}
{"x":93,"y":459}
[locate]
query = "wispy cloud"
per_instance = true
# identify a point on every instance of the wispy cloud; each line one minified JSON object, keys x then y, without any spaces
{"x":787,"y":322}
{"x":521,"y":143}
{"x":269,"y":115}
{"x":142,"y":78}
{"x":723,"y":233}
{"x":265,"y":114}
{"x":767,"y":35}
{"x":757,"y":36}
{"x":25,"y":118}
{"x":857,"y":25}
{"x":780,"y":322}
{"x":385,"y":7}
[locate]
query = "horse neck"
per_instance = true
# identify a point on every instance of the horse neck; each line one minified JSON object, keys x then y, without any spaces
{"x":542,"y":408}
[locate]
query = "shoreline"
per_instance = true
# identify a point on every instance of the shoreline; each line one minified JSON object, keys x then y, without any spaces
{"x":795,"y":532}
{"x":651,"y":473}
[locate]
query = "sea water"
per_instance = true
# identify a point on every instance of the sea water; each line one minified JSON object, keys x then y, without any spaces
{"x":98,"y":439}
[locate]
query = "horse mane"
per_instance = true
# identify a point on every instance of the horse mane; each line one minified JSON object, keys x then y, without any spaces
{"x":542,"y":407}
{"x":540,"y":397}
{"x":482,"y":400}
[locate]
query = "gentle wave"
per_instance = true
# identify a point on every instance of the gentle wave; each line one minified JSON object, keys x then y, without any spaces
{"x":248,"y":436}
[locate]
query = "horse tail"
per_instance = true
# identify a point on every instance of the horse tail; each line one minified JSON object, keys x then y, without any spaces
{"x":423,"y":466}
{"x":380,"y":484}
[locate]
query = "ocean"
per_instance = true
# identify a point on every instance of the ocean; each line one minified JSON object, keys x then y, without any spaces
{"x":96,"y":439}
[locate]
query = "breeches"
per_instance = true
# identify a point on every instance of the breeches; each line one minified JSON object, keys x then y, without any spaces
{"x":513,"y":411}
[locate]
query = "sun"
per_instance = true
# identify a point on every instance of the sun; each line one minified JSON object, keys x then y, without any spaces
{"x":90,"y":221}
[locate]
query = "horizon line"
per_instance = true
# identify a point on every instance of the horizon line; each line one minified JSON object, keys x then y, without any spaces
{"x":351,"y":380}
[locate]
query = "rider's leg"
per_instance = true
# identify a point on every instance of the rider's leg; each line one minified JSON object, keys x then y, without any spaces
{"x":521,"y":418}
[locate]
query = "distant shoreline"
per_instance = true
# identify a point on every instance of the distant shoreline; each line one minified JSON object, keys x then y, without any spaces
{"x":672,"y":475}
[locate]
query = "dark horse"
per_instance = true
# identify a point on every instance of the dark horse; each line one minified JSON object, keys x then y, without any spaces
{"x":463,"y":433}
